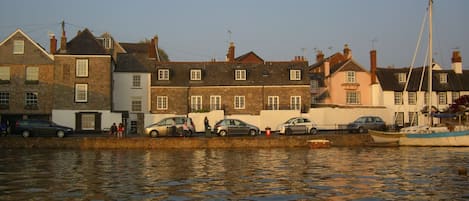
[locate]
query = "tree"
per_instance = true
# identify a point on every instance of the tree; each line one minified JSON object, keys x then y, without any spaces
{"x":460,"y":105}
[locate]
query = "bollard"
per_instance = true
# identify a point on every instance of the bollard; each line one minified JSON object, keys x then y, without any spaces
{"x":267,"y":131}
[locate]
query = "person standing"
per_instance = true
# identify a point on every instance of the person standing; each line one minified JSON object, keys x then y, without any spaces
{"x":120,"y":130}
{"x":207,"y":126}
{"x":113,"y":129}
{"x":173,"y":126}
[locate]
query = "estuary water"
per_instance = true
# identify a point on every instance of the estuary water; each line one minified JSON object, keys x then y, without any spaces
{"x":358,"y":173}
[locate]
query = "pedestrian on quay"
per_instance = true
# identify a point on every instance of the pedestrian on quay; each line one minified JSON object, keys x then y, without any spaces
{"x":113,"y":131}
{"x":173,"y":127}
{"x":120,"y":130}
{"x":185,"y":129}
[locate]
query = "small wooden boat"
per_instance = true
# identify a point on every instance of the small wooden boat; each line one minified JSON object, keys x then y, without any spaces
{"x":385,"y":137}
{"x":315,"y":144}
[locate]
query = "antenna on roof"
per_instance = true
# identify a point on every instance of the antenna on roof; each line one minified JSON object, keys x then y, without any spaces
{"x":229,"y":35}
{"x":373,"y":41}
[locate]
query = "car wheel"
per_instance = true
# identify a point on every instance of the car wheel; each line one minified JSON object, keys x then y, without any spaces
{"x":223,"y":133}
{"x":60,"y":134}
{"x":25,"y":134}
{"x":361,"y":130}
{"x":288,"y":131}
{"x":313,"y":131}
{"x":154,"y":134}
{"x":252,"y":132}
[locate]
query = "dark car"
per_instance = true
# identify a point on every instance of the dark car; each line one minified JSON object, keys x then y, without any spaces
{"x":364,"y":123}
{"x":39,"y":127}
{"x":234,"y":127}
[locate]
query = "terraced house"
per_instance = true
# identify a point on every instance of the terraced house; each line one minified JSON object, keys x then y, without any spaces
{"x":26,"y":79}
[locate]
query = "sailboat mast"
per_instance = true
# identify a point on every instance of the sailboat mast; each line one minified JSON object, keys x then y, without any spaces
{"x":430,"y":61}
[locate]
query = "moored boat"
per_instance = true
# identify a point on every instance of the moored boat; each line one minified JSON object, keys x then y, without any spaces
{"x":315,"y":144}
{"x":385,"y":137}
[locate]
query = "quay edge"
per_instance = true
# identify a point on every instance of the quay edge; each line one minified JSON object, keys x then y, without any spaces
{"x":337,"y":140}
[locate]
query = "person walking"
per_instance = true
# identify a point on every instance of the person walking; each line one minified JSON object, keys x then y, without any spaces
{"x":120,"y":130}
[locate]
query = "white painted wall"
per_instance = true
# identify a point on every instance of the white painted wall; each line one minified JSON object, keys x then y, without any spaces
{"x":67,"y":117}
{"x":124,"y":91}
{"x":331,"y":118}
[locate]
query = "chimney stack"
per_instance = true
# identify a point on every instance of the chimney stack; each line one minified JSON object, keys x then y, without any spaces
{"x":327,"y":69}
{"x":230,"y":57}
{"x":373,"y":66}
{"x":151,"y":49}
{"x":53,"y":44}
{"x":63,"y":40}
{"x":456,"y":62}
{"x":319,"y":56}
{"x":157,"y":54}
{"x":347,"y":52}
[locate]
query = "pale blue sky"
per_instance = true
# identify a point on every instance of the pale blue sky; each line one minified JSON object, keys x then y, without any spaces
{"x":274,"y":29}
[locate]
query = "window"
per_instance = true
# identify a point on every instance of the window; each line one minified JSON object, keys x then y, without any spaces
{"x":18,"y":47}
{"x":401,"y":78}
{"x":107,"y":42}
{"x":5,"y":73}
{"x":353,"y":97}
{"x":350,"y":77}
{"x":314,"y":84}
{"x":240,"y":74}
{"x":32,"y":73}
{"x":196,"y":74}
{"x":136,"y":81}
{"x":398,"y":98}
{"x":413,"y":118}
{"x":295,"y":74}
{"x":196,"y":103}
{"x":399,"y":117}
{"x":82,"y":67}
{"x":81,"y":93}
{"x":272,"y":102}
{"x":295,"y":102}
{"x":412,"y":98}
{"x":441,"y":97}
{"x":443,"y":78}
{"x":215,"y":102}
{"x":161,"y":102}
{"x":454,"y":96}
{"x":163,"y":74}
{"x":31,"y":99}
{"x":87,"y":121}
{"x":239,"y":102}
{"x":4,"y":98}
{"x":136,"y":104}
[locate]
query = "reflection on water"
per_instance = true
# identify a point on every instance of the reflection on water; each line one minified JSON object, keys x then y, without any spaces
{"x":235,"y":174}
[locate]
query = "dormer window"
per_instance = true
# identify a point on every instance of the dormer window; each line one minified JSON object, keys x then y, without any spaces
{"x":107,"y":42}
{"x":443,"y":78}
{"x":240,"y":74}
{"x":196,"y":74}
{"x":295,"y":74}
{"x":163,"y":74}
{"x":18,"y":47}
{"x":401,"y":77}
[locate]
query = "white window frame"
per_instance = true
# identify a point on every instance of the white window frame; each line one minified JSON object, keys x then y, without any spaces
{"x":196,"y":74}
{"x":196,"y":103}
{"x":412,"y":98}
{"x":136,"y":81}
{"x":88,"y":121}
{"x":161,"y":102}
{"x":81,"y":68}
{"x":442,"y":98}
{"x":295,"y":102}
{"x":107,"y":42}
{"x":353,"y":98}
{"x":443,"y":78}
{"x":163,"y":74}
{"x":273,"y":102}
{"x":32,"y":73}
{"x":350,"y":77}
{"x":5,"y":73}
{"x":81,"y":93}
{"x":31,"y":98}
{"x":215,"y":103}
{"x":398,"y":98}
{"x":402,"y":77}
{"x":18,"y":47}
{"x":136,"y":104}
{"x":239,"y":102}
{"x":4,"y":98}
{"x":240,"y":74}
{"x":295,"y":74}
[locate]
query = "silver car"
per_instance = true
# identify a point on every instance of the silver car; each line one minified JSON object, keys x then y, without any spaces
{"x":164,"y":127}
{"x":234,"y":127}
{"x":298,"y":125}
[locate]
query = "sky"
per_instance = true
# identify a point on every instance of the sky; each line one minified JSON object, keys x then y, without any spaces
{"x":276,"y":30}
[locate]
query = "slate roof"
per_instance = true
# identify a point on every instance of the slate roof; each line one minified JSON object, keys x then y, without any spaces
{"x":136,"y":56}
{"x":223,"y":74}
{"x":244,"y":56}
{"x":84,"y":43}
{"x":129,"y":63}
{"x":388,"y":78}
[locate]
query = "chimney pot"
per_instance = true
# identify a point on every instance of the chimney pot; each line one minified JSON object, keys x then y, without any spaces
{"x":53,"y":44}
{"x":373,"y":66}
{"x":319,"y":56}
{"x":231,"y":53}
{"x":456,"y":62}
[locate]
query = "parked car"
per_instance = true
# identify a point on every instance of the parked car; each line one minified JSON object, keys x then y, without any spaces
{"x":364,"y":123}
{"x":163,"y":127}
{"x":39,"y":127}
{"x":234,"y":127}
{"x":298,"y":125}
